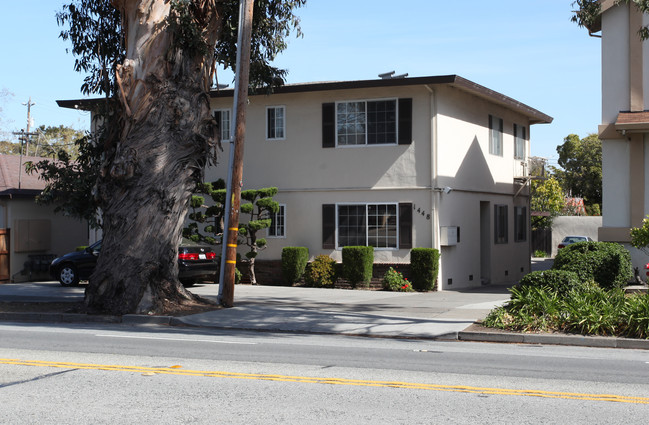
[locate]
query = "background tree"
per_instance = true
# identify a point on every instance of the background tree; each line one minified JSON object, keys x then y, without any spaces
{"x":9,"y":148}
{"x":53,"y":139}
{"x":259,"y":208}
{"x":581,"y":176}
{"x":588,"y":15}
{"x":155,"y":60}
{"x":547,"y":201}
{"x":71,"y":181}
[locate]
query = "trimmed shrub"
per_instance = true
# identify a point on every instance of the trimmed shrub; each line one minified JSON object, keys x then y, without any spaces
{"x":321,"y":272}
{"x":393,"y":280}
{"x":424,"y":267}
{"x":294,"y":259}
{"x":607,"y":263}
{"x":357,"y":265}
{"x":560,"y":281}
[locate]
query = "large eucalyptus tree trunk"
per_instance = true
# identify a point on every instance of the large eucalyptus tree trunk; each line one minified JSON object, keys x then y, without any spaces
{"x":148,"y":174}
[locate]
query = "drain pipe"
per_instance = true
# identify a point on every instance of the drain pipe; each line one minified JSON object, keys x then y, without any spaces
{"x":435,"y":195}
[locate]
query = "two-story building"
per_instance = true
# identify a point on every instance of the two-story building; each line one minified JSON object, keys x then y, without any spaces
{"x":394,"y":163}
{"x":625,"y":123}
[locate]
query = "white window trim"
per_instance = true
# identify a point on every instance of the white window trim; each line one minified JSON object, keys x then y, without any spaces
{"x":396,"y":204}
{"x":282,"y":236}
{"x":229,"y":111}
{"x":396,"y":140}
{"x":283,"y":108}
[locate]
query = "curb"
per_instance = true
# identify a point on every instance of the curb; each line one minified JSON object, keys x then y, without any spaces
{"x":554,"y":339}
{"x":466,"y":335}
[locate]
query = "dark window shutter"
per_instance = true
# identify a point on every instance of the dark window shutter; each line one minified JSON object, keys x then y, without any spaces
{"x":405,"y":225}
{"x":328,"y":125}
{"x":405,"y":121}
{"x":328,"y":226}
{"x":217,"y":118}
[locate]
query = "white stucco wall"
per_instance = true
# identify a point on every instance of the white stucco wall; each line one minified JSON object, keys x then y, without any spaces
{"x":573,"y":226}
{"x":66,"y":233}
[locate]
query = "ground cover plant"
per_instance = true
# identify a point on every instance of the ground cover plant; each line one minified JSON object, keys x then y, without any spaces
{"x":582,"y":294}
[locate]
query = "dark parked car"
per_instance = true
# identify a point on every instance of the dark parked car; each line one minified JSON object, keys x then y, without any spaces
{"x":195,"y":262}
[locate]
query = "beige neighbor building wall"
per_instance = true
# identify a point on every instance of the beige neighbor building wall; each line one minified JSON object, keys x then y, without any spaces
{"x":49,"y":233}
{"x":625,"y":125}
{"x":450,"y":148}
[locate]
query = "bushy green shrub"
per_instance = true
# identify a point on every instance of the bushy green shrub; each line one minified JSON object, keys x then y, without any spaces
{"x":237,"y":276}
{"x":424,"y":267}
{"x":357,"y":264}
{"x":321,"y":272}
{"x":539,"y":253}
{"x":560,"y":281}
{"x":393,"y":280}
{"x":607,"y":263}
{"x":294,"y":259}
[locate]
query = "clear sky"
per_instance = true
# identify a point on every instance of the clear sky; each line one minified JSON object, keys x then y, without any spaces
{"x":525,"y":49}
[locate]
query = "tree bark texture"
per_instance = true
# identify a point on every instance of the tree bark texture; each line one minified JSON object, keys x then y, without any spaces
{"x":167,"y":135}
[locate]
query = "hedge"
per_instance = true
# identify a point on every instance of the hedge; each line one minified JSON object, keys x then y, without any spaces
{"x":424,"y":267}
{"x":294,"y":259}
{"x":606,"y":263}
{"x":357,"y":264}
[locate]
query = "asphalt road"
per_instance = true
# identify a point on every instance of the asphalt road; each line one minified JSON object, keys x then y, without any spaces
{"x":122,"y":374}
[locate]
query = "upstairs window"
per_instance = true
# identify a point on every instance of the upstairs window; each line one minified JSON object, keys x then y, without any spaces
{"x":275,"y":122}
{"x":366,"y":122}
{"x":222,"y":118}
{"x":495,"y":135}
{"x":520,"y":136}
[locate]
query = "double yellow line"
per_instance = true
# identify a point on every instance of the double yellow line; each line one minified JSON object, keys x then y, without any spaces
{"x":178,"y":370}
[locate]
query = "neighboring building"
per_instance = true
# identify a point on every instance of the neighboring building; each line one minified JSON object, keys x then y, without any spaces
{"x":394,"y":163}
{"x":30,"y":232}
{"x":625,"y":123}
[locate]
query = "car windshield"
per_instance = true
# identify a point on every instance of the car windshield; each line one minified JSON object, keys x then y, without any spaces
{"x":574,"y":239}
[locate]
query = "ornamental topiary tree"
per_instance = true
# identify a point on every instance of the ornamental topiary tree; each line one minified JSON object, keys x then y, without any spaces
{"x":210,"y":216}
{"x":259,"y":208}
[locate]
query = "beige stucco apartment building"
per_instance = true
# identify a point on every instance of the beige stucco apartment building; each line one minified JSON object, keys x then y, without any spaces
{"x":625,"y":123}
{"x":394,"y":163}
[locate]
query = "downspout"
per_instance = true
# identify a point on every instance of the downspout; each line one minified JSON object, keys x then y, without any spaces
{"x":434,"y":195}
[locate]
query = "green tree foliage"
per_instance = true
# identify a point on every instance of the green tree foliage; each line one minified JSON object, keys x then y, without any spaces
{"x":546,"y":197}
{"x":206,"y":221}
{"x":259,"y":207}
{"x":70,"y":183}
{"x":52,"y":139}
{"x":9,"y":148}
{"x":588,"y":15}
{"x":640,"y":236}
{"x":581,"y":160}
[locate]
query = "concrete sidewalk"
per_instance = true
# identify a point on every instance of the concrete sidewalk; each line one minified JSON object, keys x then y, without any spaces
{"x":306,"y":310}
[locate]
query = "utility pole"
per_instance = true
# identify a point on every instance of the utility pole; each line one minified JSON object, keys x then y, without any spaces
{"x":23,"y":138}
{"x":233,"y":193}
{"x":29,"y":105}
